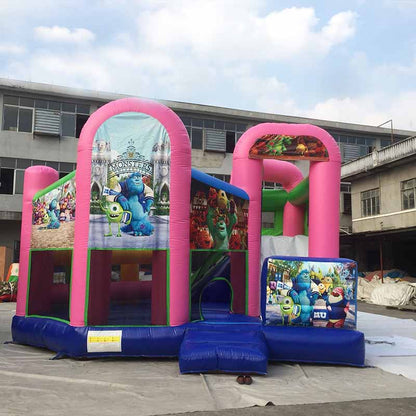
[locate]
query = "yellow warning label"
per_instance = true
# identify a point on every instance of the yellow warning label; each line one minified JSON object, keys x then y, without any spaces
{"x":104,"y":341}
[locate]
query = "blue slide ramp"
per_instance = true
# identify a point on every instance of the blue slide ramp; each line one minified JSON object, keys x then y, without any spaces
{"x":224,"y":348}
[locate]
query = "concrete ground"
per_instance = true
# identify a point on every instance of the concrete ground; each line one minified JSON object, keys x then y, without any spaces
{"x":391,"y":407}
{"x":30,"y":383}
{"x":377,"y":407}
{"x":386,"y":311}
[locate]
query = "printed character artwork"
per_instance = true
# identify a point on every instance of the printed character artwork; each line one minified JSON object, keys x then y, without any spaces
{"x":309,"y":293}
{"x":218,"y":220}
{"x":130,"y":184}
{"x":286,"y":147}
{"x":53,"y":215}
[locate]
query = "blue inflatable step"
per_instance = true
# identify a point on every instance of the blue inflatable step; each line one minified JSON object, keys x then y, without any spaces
{"x":212,"y":349}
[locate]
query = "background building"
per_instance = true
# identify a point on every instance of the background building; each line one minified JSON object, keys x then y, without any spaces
{"x":383,"y":191}
{"x":40,"y":125}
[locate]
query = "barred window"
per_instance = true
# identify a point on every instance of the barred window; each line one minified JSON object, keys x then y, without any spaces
{"x":213,"y":135}
{"x":408,"y":191}
{"x":19,"y":112}
{"x":370,"y":202}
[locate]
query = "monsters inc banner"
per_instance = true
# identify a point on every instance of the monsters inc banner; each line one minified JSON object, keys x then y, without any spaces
{"x":130,"y":183}
{"x":308,"y":292}
{"x":53,"y":215}
{"x":218,"y":218}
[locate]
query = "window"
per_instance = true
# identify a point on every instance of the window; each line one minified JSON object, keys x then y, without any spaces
{"x":230,"y":141}
{"x":196,"y":122}
{"x":196,"y":138}
{"x":209,"y":124}
{"x":346,"y":208}
{"x":213,"y":135}
{"x":7,"y":162}
{"x":345,"y":187}
{"x":68,"y":124}
{"x":225,"y":178}
{"x":408,"y":191}
{"x":6,"y":181}
{"x":271,"y":185}
{"x":73,"y":118}
{"x":219,"y":125}
{"x":186,"y":120}
{"x":41,"y":104}
{"x":16,"y":251}
{"x":53,"y":165}
{"x":229,"y":126}
{"x":80,"y":121}
{"x":18,"y":114}
{"x":370,"y":202}
{"x":353,"y":147}
{"x":10,"y":115}
{"x":12,"y":172}
{"x":23,"y":163}
{"x":25,"y":120}
{"x":18,"y":181}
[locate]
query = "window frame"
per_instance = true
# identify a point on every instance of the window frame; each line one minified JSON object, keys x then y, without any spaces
{"x":15,"y":181}
{"x":80,"y":112}
{"x":19,"y":107}
{"x":370,"y":202}
{"x":404,"y":189}
{"x":10,"y":175}
{"x":229,"y":127}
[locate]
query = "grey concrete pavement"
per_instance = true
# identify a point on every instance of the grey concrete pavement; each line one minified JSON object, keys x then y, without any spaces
{"x":30,"y":383}
{"x":385,"y":311}
{"x":383,"y":407}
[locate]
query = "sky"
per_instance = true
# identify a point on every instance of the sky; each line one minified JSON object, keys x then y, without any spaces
{"x":352,"y":61}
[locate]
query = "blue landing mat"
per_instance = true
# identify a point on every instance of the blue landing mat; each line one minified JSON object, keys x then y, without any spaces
{"x":229,"y":350}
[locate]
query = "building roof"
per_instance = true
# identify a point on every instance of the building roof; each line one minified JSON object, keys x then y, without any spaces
{"x":248,"y":116}
{"x":396,"y":154}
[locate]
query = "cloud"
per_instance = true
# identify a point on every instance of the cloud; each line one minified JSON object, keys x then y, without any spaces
{"x":403,"y":5}
{"x":340,"y":27}
{"x":59,"y":34}
{"x":266,"y":94}
{"x":235,"y":53}
{"x":234,"y":30}
{"x":372,"y":109}
{"x":10,"y":48}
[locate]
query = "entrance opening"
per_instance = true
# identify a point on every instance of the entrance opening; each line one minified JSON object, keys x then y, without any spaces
{"x":127,"y":287}
{"x":209,"y":307}
{"x":214,"y":293}
{"x":50,"y":279}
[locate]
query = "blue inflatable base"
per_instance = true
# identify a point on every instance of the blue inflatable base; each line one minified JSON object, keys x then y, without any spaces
{"x":240,"y":345}
{"x":215,"y":348}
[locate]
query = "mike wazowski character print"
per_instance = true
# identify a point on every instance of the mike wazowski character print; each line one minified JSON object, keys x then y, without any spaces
{"x":311,"y":293}
{"x":115,"y":215}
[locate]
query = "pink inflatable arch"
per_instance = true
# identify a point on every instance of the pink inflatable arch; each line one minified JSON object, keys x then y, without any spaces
{"x":324,"y":180}
{"x":179,"y":205}
{"x":37,"y":178}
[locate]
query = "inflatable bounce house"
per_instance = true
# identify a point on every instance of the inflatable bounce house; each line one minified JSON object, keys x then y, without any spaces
{"x":137,"y":254}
